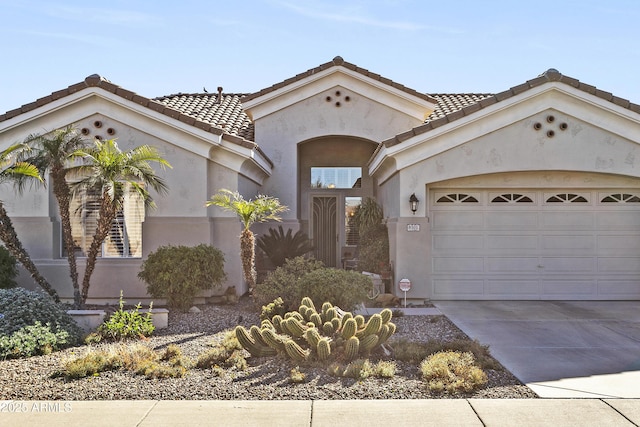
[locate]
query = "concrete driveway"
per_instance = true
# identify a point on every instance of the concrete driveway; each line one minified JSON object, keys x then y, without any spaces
{"x":588,"y":349}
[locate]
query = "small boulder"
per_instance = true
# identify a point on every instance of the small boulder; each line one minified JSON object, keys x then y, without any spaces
{"x":194,"y":309}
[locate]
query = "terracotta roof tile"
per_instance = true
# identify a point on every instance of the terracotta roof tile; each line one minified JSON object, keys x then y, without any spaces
{"x":226,"y":114}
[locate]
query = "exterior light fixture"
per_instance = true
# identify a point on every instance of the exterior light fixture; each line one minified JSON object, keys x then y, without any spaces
{"x":413,"y":203}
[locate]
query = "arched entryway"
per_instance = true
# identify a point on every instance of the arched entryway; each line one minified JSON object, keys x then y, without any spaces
{"x":333,"y":180}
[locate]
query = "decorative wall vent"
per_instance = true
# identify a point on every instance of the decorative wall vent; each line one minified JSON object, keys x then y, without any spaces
{"x":338,"y":98}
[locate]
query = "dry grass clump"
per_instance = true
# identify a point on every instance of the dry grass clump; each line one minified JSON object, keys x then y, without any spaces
{"x":452,"y":371}
{"x":226,"y":353}
{"x":137,"y":358}
{"x":411,"y":351}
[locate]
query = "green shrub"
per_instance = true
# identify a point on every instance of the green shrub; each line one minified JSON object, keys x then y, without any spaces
{"x":452,"y":371}
{"x":124,"y":324}
{"x":373,"y":245}
{"x":178,"y":273}
{"x":279,"y":246}
{"x":32,"y":323}
{"x":284,"y":282}
{"x":343,"y":288}
{"x":8,"y":269}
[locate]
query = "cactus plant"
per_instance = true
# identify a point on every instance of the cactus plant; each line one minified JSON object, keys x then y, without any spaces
{"x":351,"y":348}
{"x":307,"y":334}
{"x":349,"y":328}
{"x":306,"y":301}
{"x":323,"y":349}
{"x":386,"y":315}
{"x":273,"y":340}
{"x":295,"y":351}
{"x":249,"y":344}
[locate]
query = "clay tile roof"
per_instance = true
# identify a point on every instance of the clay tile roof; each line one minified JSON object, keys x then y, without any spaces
{"x":336,"y":62}
{"x":452,"y":107}
{"x":450,"y":103}
{"x":226,"y":113}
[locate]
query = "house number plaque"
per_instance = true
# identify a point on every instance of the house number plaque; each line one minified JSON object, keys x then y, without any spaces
{"x":413,"y":227}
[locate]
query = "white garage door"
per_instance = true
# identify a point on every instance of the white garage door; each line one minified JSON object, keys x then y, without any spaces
{"x":535,"y":244}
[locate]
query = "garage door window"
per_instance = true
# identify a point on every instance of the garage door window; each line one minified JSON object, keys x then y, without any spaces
{"x":621,"y":198}
{"x":567,"y":198}
{"x":512,"y":198}
{"x":457,"y":198}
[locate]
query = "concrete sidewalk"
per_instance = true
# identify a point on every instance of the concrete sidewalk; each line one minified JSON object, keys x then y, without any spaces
{"x":367,"y":413}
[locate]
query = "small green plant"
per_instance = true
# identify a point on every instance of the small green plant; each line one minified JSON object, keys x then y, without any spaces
{"x":8,"y":269}
{"x":279,"y":246}
{"x":125,"y":324}
{"x":452,"y":371}
{"x":178,"y":273}
{"x":296,"y":376}
{"x":32,"y":323}
{"x":33,"y":340}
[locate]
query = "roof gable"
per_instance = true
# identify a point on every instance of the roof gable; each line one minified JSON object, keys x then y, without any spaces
{"x":551,"y":90}
{"x":339,"y":73}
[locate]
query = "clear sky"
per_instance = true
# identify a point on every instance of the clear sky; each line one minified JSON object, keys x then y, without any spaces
{"x":158,"y":47}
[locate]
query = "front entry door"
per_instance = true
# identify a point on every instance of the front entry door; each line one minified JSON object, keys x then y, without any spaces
{"x":324,"y":228}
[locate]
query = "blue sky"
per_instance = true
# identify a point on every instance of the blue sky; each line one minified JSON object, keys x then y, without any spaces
{"x":158,"y":48}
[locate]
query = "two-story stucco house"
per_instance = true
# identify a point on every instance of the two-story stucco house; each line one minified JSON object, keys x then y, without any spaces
{"x":531,"y":193}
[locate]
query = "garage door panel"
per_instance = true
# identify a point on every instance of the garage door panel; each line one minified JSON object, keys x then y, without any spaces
{"x":513,"y":287}
{"x":446,"y":288}
{"x":556,"y":242}
{"x":458,"y":221}
{"x":567,"y":220}
{"x":512,"y":220}
{"x":619,"y":265}
{"x":561,"y":264}
{"x":618,"y":244}
{"x":612,"y":220}
{"x":619,"y":289}
{"x":513,"y":264}
{"x":459,"y":242}
{"x":512,"y":242}
{"x":569,"y":288}
{"x":458,"y":265}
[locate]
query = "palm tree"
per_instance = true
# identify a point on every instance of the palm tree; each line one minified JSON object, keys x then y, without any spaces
{"x":110,"y":172}
{"x":19,"y":172}
{"x":262,"y":208}
{"x":53,"y":153}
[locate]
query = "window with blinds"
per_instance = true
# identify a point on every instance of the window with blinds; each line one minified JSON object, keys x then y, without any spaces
{"x":125,"y":237}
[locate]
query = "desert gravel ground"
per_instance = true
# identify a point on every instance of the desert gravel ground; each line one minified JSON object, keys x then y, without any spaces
{"x":265,"y":378}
